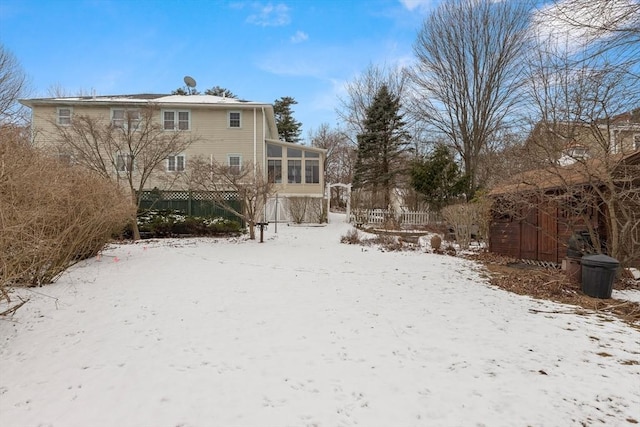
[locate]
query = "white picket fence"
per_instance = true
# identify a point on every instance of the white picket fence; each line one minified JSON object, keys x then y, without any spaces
{"x":405,"y":217}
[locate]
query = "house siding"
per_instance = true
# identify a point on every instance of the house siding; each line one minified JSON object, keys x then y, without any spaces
{"x":214,"y":139}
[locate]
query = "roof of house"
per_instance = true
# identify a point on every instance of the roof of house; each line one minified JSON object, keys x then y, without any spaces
{"x":144,"y":98}
{"x":590,"y":171}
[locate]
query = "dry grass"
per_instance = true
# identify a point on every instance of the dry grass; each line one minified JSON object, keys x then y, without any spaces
{"x":553,"y":284}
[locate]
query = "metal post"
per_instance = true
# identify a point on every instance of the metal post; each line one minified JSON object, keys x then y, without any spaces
{"x":276,"y":230}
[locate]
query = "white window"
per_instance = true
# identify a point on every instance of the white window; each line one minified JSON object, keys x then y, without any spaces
{"x":578,"y":152}
{"x":124,"y":162}
{"x":636,"y":141}
{"x":64,"y":116}
{"x":122,"y":118}
{"x":274,"y":173}
{"x":235,"y":119}
{"x":235,"y":163}
{"x":176,"y":163}
{"x":294,"y":171}
{"x":176,"y":120}
{"x":312,"y":171}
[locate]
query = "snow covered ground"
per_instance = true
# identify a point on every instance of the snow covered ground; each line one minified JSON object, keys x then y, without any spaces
{"x":304,"y":331}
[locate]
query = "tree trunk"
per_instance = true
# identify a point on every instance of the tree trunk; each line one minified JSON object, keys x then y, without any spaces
{"x":134,"y":228}
{"x":134,"y":221}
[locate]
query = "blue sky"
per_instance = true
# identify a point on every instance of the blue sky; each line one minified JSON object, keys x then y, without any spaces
{"x":260,"y":50}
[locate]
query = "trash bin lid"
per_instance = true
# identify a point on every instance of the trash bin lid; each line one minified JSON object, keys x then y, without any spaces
{"x":600,"y":261}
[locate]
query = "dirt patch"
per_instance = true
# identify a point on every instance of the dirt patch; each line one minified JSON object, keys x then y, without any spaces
{"x":554,"y":285}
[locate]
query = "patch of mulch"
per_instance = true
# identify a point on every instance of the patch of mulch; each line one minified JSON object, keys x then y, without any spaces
{"x":553,"y":284}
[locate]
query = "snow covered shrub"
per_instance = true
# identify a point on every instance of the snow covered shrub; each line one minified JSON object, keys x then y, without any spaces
{"x":389,"y":242}
{"x":52,"y":215}
{"x":352,"y":237}
{"x":165,"y":223}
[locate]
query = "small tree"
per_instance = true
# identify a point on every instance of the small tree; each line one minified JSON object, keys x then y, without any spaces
{"x":230,"y":185}
{"x":288,"y":127}
{"x":126,"y":152}
{"x":438,"y":178}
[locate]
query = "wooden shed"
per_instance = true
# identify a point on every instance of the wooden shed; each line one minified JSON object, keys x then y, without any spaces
{"x":537,"y":212}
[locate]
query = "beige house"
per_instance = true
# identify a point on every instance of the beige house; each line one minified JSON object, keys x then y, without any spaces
{"x":225,"y":130}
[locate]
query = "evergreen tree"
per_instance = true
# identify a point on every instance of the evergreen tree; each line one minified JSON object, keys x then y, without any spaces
{"x":185,"y":91}
{"x":220,"y":91}
{"x":288,"y":127}
{"x":381,"y":145}
{"x":438,"y":178}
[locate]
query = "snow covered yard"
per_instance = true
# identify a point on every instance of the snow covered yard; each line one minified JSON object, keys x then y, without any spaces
{"x":304,"y":331}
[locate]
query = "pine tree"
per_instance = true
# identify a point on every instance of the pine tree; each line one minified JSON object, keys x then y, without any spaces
{"x":220,"y":91}
{"x":381,"y":146}
{"x":288,"y":128}
{"x":438,"y":178}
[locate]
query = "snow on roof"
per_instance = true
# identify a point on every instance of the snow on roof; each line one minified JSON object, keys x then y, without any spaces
{"x":146,"y":98}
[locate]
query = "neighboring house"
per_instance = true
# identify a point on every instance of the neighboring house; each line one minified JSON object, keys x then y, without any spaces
{"x":226,"y":130}
{"x":567,"y":142}
{"x":536,"y":212}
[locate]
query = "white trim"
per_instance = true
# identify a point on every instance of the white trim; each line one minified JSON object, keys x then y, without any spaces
{"x":176,"y":170}
{"x":176,"y":119}
{"x":125,"y":119}
{"x":234,"y":155}
{"x":58,"y":115}
{"x":239,"y":112}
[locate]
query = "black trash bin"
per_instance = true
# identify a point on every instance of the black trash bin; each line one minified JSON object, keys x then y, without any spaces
{"x":598,"y":274}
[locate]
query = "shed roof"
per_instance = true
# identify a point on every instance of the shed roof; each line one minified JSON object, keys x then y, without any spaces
{"x":587,"y":172}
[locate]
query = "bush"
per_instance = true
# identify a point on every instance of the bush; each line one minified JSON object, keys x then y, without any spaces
{"x":352,"y":237}
{"x":167,"y":223}
{"x":51,"y":214}
{"x":464,"y":218}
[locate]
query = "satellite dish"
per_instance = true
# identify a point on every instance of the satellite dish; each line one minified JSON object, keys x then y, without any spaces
{"x":189,"y":81}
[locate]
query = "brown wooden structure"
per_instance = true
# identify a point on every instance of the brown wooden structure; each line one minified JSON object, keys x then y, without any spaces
{"x":538,"y":229}
{"x":538,"y":211}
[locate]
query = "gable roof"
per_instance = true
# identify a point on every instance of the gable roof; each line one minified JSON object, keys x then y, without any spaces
{"x":590,"y":171}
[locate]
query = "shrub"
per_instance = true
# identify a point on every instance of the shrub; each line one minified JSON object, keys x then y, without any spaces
{"x":52,"y":215}
{"x":166,"y":223}
{"x":352,"y":237}
{"x":298,"y":208}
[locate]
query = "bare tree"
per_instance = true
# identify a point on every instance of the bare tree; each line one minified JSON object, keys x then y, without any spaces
{"x":360,"y":94}
{"x":582,"y":158}
{"x":13,"y":85}
{"x":241,"y":190}
{"x":340,"y":159}
{"x":598,"y":25}
{"x":467,"y":72}
{"x":128,"y":150}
